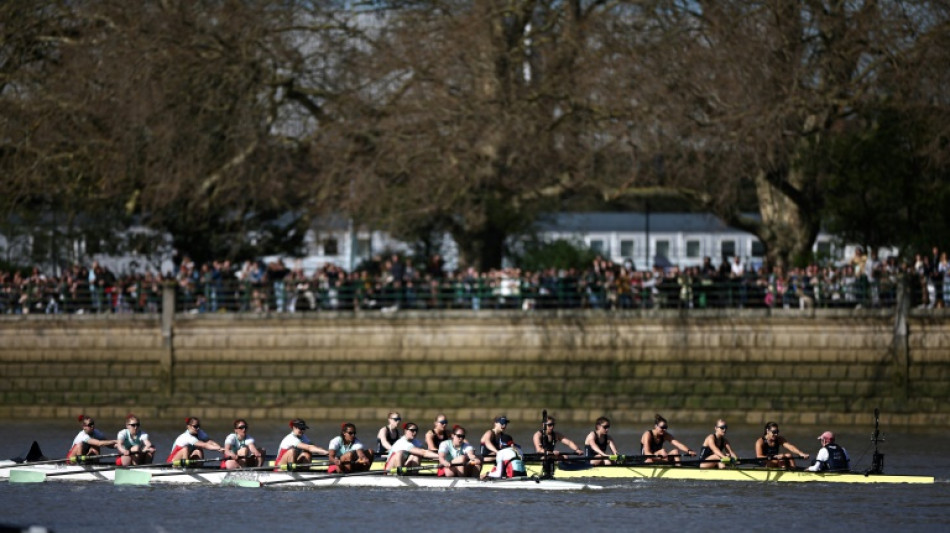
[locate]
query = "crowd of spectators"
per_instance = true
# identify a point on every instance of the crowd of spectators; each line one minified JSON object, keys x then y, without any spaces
{"x":393,"y":283}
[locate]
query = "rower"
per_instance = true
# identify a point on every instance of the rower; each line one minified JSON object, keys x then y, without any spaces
{"x":296,"y":446}
{"x":347,"y":453}
{"x":439,"y":433}
{"x":457,"y":458}
{"x":493,"y":438}
{"x":716,"y":451}
{"x":768,"y":447}
{"x":546,"y":439}
{"x":408,"y":450}
{"x":653,"y":440}
{"x":831,"y":457}
{"x":600,"y":443}
{"x":388,"y":434}
{"x":192,"y":443}
{"x":90,"y":440}
{"x":509,"y":462}
{"x":133,"y":443}
{"x":240,"y":449}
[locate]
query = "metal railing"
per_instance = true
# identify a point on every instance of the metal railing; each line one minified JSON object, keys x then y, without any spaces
{"x":359,"y":292}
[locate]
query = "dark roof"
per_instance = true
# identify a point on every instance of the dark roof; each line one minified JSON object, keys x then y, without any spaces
{"x":636,"y":222}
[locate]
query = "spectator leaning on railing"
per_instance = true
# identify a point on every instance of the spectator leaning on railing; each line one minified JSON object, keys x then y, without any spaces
{"x":395,"y":283}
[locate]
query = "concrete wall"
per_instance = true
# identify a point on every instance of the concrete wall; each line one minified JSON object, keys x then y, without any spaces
{"x":820,"y":367}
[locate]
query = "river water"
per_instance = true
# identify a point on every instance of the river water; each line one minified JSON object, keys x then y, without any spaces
{"x":669,"y":505}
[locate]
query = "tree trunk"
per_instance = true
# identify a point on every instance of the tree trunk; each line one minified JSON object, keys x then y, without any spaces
{"x":789,"y":228}
{"x":482,"y":248}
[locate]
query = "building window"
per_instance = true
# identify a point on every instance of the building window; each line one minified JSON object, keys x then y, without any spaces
{"x":598,"y":247}
{"x":824,"y":249}
{"x":758,"y":249}
{"x":727,"y":249}
{"x":330,"y":247}
{"x":626,"y":248}
{"x":692,"y":249}
{"x":363,"y":247}
{"x":663,"y":249}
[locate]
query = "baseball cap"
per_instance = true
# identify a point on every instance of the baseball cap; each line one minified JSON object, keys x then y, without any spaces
{"x":299,"y":424}
{"x":501,"y":419}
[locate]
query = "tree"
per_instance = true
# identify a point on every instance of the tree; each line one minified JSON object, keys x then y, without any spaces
{"x":161,"y":110}
{"x":472,"y":117}
{"x":222,"y":122}
{"x":887,"y":194}
{"x":739,"y":95}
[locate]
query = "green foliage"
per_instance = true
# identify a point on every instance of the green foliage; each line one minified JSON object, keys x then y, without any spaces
{"x":880,"y":190}
{"x":11,"y":268}
{"x":538,"y":255}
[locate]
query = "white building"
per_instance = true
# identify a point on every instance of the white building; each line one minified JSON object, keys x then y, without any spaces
{"x":681,"y":239}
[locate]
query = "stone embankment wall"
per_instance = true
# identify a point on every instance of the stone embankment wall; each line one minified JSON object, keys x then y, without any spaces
{"x":819,"y":367}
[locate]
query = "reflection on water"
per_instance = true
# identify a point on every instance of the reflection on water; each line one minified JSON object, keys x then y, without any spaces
{"x":624,"y":504}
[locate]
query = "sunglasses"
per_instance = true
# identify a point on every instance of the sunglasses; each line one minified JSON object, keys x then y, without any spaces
{"x":462,"y":436}
{"x":606,"y":426}
{"x":350,"y":432}
{"x":92,"y":425}
{"x":412,"y":429}
{"x":241,"y":427}
{"x":722,"y":427}
{"x":773,"y":431}
{"x":549,"y":424}
{"x":135,"y":425}
{"x":396,"y":419}
{"x":443,"y":422}
{"x":197,"y":426}
{"x":503,"y":422}
{"x":662,"y":427}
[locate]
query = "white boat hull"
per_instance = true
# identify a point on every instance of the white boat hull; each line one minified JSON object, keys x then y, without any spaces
{"x":198,"y":476}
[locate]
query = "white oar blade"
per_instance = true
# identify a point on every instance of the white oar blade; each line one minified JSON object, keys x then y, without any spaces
{"x":245,"y":483}
{"x":27,"y":476}
{"x":132,"y":477}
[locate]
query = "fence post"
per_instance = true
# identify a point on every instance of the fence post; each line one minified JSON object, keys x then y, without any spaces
{"x":168,"y":330}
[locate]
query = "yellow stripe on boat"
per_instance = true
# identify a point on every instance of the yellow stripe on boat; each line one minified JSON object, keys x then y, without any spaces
{"x":727,"y":474}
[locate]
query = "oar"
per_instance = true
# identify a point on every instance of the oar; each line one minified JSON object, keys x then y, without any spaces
{"x":77,"y":459}
{"x":536,"y":479}
{"x":399,"y":471}
{"x":133,"y":475}
{"x":618,"y":458}
{"x":37,"y":476}
{"x":34,"y":476}
{"x":728,"y":461}
{"x":621,"y":461}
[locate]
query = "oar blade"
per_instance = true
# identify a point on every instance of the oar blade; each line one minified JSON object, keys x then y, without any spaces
{"x":244,"y":483}
{"x":27,"y":476}
{"x":132,"y":477}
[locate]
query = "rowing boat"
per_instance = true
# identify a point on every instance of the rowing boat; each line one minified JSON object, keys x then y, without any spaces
{"x":578,"y":471}
{"x":213,"y":476}
{"x":751,"y":471}
{"x":579,"y":475}
{"x":575,"y":468}
{"x":417,"y":481}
